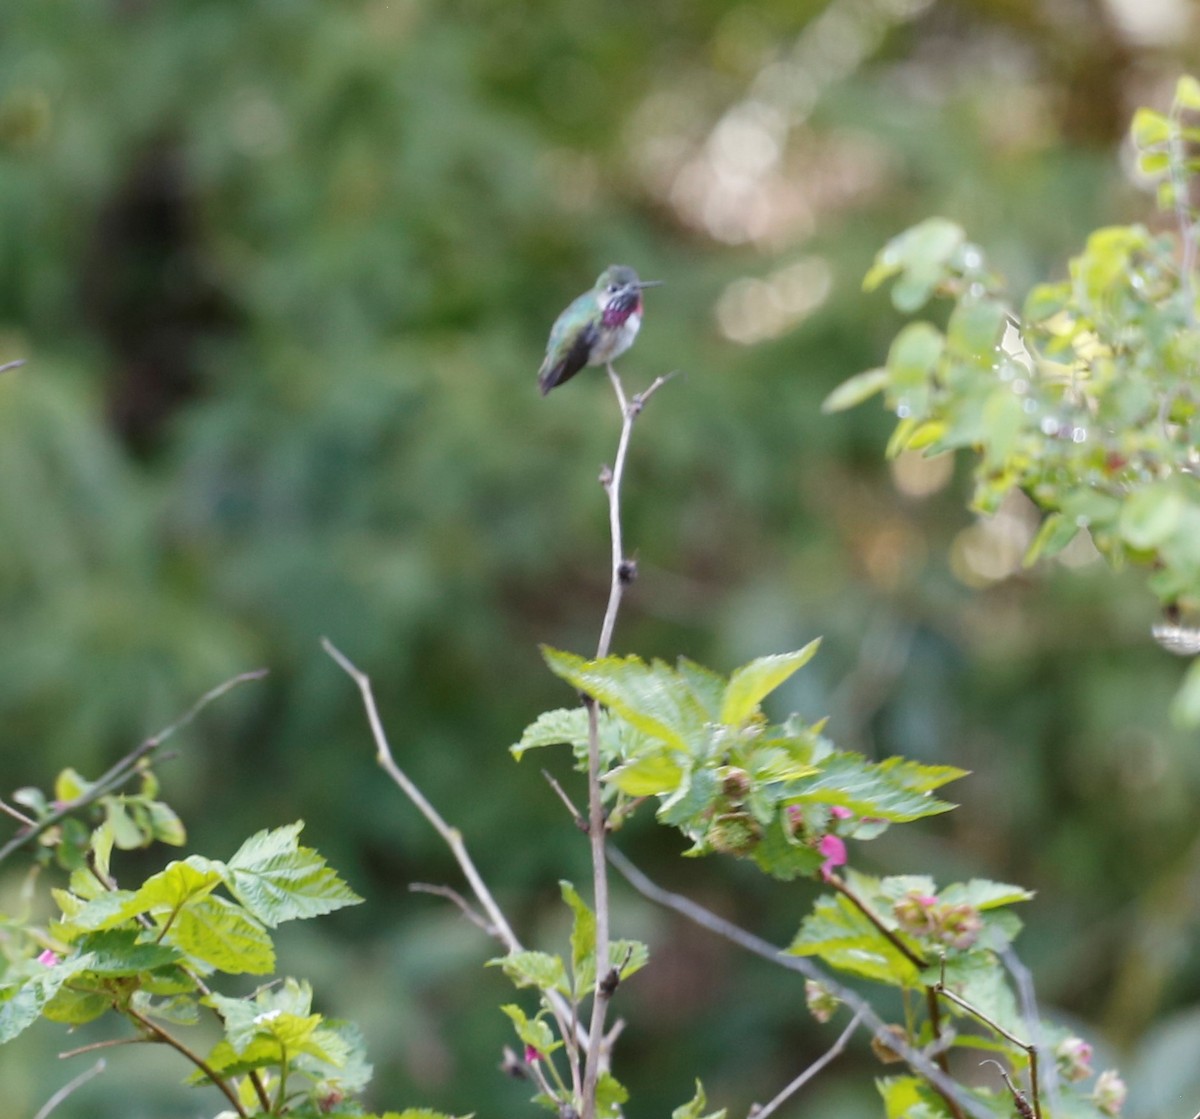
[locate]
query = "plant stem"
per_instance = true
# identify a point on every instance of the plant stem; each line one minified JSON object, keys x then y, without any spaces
{"x":889,"y":934}
{"x":73,"y":1085}
{"x":621,"y":575}
{"x":500,"y":929}
{"x":791,"y":1089}
{"x":195,"y":1058}
{"x":124,"y":769}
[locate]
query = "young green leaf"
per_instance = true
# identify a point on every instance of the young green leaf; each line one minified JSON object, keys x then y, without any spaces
{"x":860,"y":387}
{"x":277,"y":880}
{"x":753,"y":682}
{"x":694,"y":1108}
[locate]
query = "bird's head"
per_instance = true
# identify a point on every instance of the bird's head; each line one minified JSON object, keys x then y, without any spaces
{"x":619,"y":284}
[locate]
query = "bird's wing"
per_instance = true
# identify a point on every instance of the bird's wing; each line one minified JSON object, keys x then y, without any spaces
{"x":563,"y":362}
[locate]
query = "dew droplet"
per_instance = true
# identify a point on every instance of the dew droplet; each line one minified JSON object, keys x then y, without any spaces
{"x":1078,"y":434}
{"x":903,"y":410}
{"x":1049,"y":425}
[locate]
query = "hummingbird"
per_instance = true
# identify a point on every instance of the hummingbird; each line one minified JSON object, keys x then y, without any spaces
{"x":596,"y":328}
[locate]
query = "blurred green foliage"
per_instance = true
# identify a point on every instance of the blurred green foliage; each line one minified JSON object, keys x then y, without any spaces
{"x":283,"y":274}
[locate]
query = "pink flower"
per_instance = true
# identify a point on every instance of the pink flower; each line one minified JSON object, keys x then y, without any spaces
{"x":840,"y":812}
{"x":531,"y":1055}
{"x":48,"y":958}
{"x":834,"y":850}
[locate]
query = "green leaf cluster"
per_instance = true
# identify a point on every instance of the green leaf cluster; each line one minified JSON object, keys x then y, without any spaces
{"x":1084,"y":397}
{"x":150,"y":954}
{"x":724,"y":775}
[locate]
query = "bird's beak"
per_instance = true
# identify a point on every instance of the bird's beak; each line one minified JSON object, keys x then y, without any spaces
{"x":649,"y":283}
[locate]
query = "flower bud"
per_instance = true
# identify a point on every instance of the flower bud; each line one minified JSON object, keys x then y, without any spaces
{"x":959,"y":926}
{"x":821,"y":1002}
{"x":1074,"y":1058}
{"x":1110,"y":1092}
{"x":916,"y":913}
{"x":734,"y":833}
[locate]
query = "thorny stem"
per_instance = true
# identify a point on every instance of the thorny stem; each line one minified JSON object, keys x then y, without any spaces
{"x":620,"y":576}
{"x":126,"y":767}
{"x":168,"y":1039}
{"x":791,"y":1089}
{"x":706,"y":919}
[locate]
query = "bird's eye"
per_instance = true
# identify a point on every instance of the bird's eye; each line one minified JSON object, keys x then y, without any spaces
{"x":613,"y":287}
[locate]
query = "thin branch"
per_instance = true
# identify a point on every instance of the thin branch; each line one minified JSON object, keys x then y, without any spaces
{"x":1030,"y":1048}
{"x":452,"y":837}
{"x":791,"y":1089}
{"x":621,"y":575}
{"x":17,"y":814}
{"x":889,"y":934}
{"x":501,"y":930}
{"x":121,"y":771}
{"x":576,"y":815}
{"x":12,"y":365}
{"x":174,"y":1042}
{"x":71,"y":1086}
{"x":111,"y":1043}
{"x":457,"y":898}
{"x":706,"y":919}
{"x":1033,"y":1021}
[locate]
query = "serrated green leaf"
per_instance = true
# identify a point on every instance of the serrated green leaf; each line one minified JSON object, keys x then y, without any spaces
{"x":533,"y":1032}
{"x":583,"y":939}
{"x":867,"y":790}
{"x":852,"y":392}
{"x":24,"y":1003}
{"x":694,"y":1108}
{"x":917,"y":776}
{"x":70,"y":1007}
{"x":277,"y":880}
{"x":844,"y":938}
{"x":118,"y":952}
{"x":753,"y":682}
{"x":281,"y":1014}
{"x":651,"y":697}
{"x":707,"y":686}
{"x":535,"y":969}
{"x":650,"y":775}
{"x":983,"y":894}
{"x":565,"y":726}
{"x":221,"y":934}
{"x":610,"y":1094}
{"x":126,"y":834}
{"x":166,"y":826}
